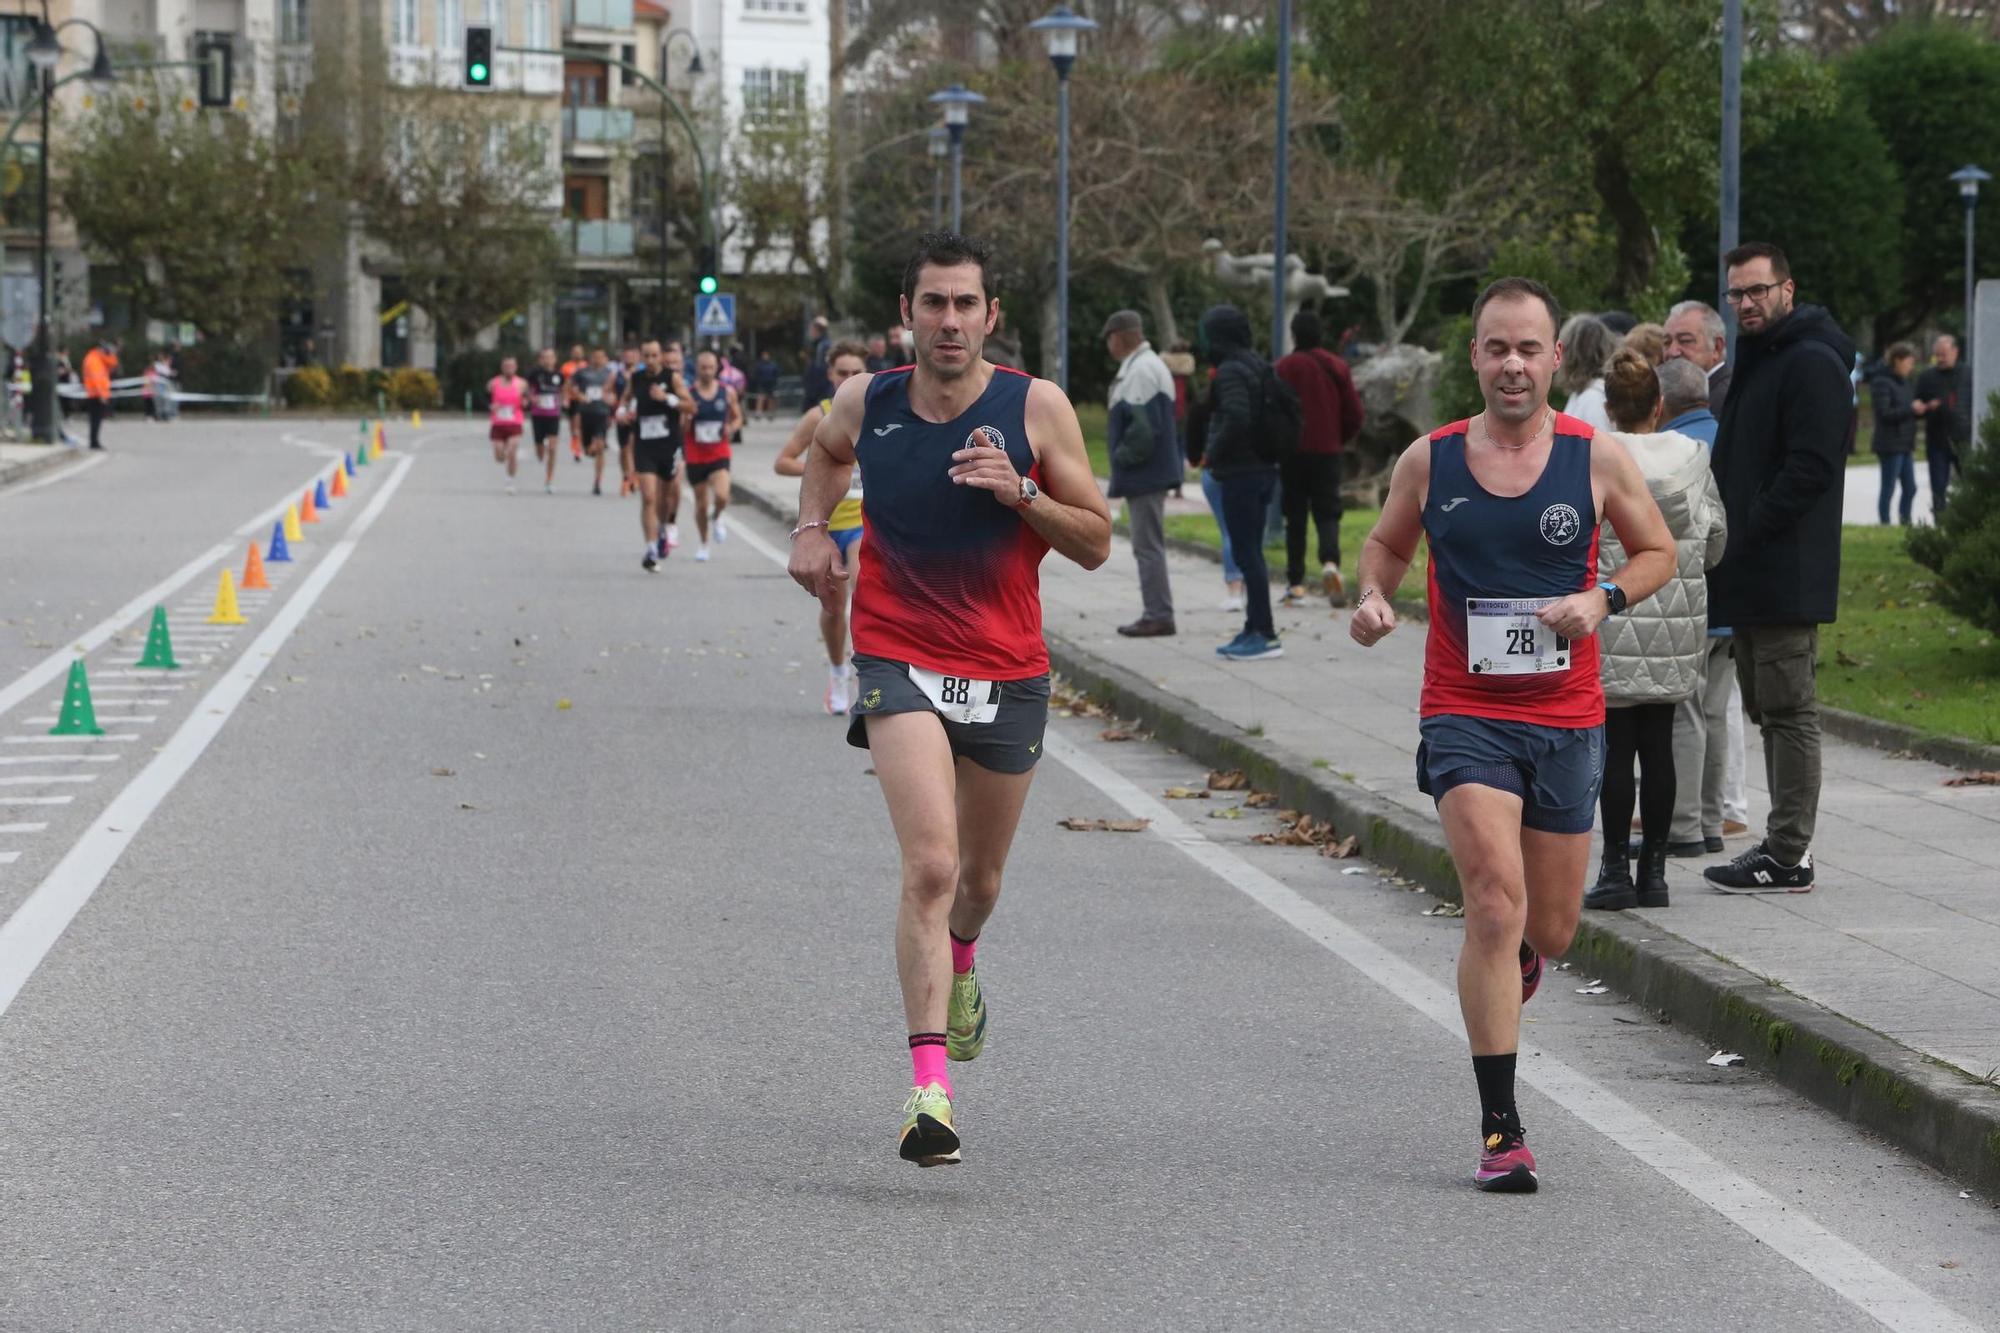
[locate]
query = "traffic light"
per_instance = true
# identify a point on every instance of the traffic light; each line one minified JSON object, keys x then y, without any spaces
{"x":705,"y":274}
{"x":479,"y":57}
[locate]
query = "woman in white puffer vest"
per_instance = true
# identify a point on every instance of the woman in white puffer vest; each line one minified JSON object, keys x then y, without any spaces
{"x":1651,"y":656}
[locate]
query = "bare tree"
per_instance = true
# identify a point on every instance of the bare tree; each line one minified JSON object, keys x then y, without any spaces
{"x":1830,"y":27}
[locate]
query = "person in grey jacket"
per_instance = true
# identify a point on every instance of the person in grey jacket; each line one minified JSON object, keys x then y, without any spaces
{"x":1651,"y":657}
{"x":1145,"y":463}
{"x":1248,"y":480}
{"x":1896,"y":413}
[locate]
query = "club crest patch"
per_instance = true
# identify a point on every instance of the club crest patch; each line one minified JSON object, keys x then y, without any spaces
{"x":1560,"y":525}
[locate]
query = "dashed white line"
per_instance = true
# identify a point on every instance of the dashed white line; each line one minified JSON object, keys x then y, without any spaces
{"x":37,"y":779}
{"x":9,"y":858}
{"x":132,"y":720}
{"x":108,"y":738}
{"x":22,"y":828}
{"x":36,"y":800}
{"x":58,"y":758}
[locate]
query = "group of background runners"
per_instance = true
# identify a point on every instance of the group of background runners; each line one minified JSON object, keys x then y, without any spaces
{"x":660,"y":415}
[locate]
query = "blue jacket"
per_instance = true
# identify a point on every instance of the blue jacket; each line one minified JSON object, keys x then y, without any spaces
{"x":1700,"y":424}
{"x":1139,"y":429}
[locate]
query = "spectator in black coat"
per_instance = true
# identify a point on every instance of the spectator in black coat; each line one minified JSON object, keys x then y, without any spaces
{"x":1780,"y":462}
{"x":1896,"y":413}
{"x":1248,"y":479}
{"x":1945,"y":389}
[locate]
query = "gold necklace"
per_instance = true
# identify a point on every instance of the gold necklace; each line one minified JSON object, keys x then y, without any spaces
{"x":1487,"y":431}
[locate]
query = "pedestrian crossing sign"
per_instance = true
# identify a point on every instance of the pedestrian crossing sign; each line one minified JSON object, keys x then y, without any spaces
{"x":714,"y":315}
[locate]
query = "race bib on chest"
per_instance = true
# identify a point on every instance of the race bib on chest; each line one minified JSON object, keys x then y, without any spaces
{"x":503,"y":415}
{"x":1503,"y":638}
{"x":594,"y":394}
{"x":545,"y":401}
{"x":708,"y":432}
{"x":653,"y":428}
{"x":958,"y":698}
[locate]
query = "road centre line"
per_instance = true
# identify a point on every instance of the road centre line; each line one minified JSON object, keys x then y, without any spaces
{"x":32,"y":931}
{"x":1829,"y":1260}
{"x":57,"y":663}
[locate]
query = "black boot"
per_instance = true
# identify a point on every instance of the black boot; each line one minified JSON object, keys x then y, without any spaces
{"x":1613,"y":891}
{"x":1652,"y":887}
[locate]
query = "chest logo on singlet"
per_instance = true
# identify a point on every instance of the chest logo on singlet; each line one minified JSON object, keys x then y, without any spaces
{"x":1452,"y":503}
{"x":884,"y":430}
{"x":988,"y":436}
{"x":1560,"y":525}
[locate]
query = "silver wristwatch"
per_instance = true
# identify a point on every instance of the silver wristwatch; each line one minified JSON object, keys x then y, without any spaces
{"x":1029,"y":491}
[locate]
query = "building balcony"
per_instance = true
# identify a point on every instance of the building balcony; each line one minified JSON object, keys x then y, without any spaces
{"x":597,"y":124}
{"x":602,"y":239}
{"x":598,"y":15}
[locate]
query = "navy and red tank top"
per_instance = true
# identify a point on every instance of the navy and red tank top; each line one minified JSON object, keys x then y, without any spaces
{"x":950,"y":577}
{"x":1542,"y":543}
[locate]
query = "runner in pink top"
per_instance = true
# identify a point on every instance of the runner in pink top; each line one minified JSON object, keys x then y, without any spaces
{"x":508,"y":394}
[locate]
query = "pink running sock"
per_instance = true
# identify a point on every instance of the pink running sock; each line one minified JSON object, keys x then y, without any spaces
{"x":927,"y":1061}
{"x":961,"y":953}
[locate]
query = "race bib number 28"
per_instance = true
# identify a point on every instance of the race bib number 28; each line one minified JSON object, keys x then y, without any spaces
{"x":958,"y":698}
{"x":1503,"y":638}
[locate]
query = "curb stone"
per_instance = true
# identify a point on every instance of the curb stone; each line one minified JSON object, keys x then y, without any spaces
{"x":1931,"y":1110}
{"x":56,"y":456}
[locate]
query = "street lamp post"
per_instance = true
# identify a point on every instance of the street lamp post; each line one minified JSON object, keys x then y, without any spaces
{"x":1732,"y":155}
{"x":1278,"y":273}
{"x":1969,"y":179}
{"x":1060,"y":29}
{"x":940,"y":149}
{"x":957,"y":101}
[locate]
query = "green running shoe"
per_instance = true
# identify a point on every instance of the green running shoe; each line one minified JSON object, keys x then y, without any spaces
{"x":965,"y":1020}
{"x":928,"y":1136}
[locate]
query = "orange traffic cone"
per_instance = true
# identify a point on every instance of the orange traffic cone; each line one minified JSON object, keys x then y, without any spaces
{"x":308,"y":511}
{"x":253,"y":570}
{"x":339,"y":487}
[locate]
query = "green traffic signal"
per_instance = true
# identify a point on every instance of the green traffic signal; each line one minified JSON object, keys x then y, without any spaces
{"x":478,"y":73}
{"x":708,"y":284}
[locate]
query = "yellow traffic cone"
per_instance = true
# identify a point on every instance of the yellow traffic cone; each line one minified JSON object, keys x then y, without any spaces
{"x":293,"y":532}
{"x":416,"y":419}
{"x":225,"y":603}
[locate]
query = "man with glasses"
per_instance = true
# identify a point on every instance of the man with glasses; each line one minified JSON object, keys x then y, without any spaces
{"x":1780,"y":464}
{"x":1696,"y":332}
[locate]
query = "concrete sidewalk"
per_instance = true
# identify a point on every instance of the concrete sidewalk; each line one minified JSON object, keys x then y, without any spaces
{"x":1900,"y":939}
{"x":18,"y":462}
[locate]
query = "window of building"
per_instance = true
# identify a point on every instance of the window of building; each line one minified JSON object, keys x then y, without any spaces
{"x":451,"y":24}
{"x":493,"y":13}
{"x":630,"y":55}
{"x":586,"y":198}
{"x":403,"y":23}
{"x":584,"y":83}
{"x":538,"y":23}
{"x":773,"y":94}
{"x":294,"y":27}
{"x":787,"y":7}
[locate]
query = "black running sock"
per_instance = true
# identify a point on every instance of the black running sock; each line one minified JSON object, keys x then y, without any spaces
{"x":1497,"y":1114}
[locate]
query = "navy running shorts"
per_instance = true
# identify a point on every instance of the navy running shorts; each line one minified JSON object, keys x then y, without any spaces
{"x":1556,"y":771}
{"x":1010,"y":743}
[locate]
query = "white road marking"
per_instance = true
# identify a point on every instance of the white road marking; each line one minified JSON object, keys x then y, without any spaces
{"x":1834,"y":1263}
{"x":62,"y":474}
{"x":1829,"y":1260}
{"x":57,"y":663}
{"x":58,"y":758}
{"x":9,"y":858}
{"x":107,"y":739}
{"x":35,"y":926}
{"x":37,"y":779}
{"x":22,"y":828}
{"x":97,"y":689}
{"x":116,"y":703}
{"x":128,"y":721}
{"x":36,"y":800}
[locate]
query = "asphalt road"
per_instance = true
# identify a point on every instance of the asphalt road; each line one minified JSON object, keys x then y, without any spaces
{"x":492,"y":935}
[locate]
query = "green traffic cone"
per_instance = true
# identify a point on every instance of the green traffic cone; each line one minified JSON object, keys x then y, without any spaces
{"x":79,"y":718}
{"x":159,"y":653}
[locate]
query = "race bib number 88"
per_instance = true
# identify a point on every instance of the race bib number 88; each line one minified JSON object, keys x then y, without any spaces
{"x":958,"y":698}
{"x":1503,"y":638}
{"x":653,"y":428}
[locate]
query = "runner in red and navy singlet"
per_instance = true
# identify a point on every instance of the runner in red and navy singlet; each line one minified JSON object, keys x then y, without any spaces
{"x":975,"y":473}
{"x":1486,"y":547}
{"x":950,"y":581}
{"x":1512,"y":712}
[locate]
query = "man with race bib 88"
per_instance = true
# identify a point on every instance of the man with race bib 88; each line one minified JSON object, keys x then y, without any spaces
{"x":1512,"y":708}
{"x":974,"y":474}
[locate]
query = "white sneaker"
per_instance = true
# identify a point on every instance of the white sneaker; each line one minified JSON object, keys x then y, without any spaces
{"x":510,"y":488}
{"x":673,"y":537}
{"x":836,"y":694}
{"x":1233,"y":602}
{"x":721,"y":528}
{"x":701,"y":554}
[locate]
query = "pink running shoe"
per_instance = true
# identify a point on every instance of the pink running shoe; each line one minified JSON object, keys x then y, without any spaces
{"x":1505,"y":1166}
{"x":1531,"y":974}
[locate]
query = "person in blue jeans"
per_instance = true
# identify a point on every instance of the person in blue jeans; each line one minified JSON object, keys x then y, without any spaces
{"x":1247,"y":480}
{"x":1232,"y":577}
{"x":1896,"y":413}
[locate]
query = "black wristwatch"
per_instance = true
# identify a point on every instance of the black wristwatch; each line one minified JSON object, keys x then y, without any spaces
{"x":1615,"y":595}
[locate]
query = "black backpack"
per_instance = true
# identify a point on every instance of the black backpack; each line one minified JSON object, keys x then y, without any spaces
{"x":1279,"y":420}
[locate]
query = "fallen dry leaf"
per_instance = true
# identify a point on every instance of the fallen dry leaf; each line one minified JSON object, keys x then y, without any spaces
{"x":1114,"y":734}
{"x":1985,"y":777}
{"x":562,"y":705}
{"x":1185,"y":794}
{"x":1445,"y":909}
{"x":1078,"y":825}
{"x":1342,"y":849}
{"x":1227,"y":812}
{"x":1259,"y":800}
{"x":1233,"y":780}
{"x":443,"y":773}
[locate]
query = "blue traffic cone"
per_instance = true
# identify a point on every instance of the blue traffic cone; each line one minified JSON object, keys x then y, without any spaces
{"x":279,"y":552}
{"x":347,"y":461}
{"x":319,"y":496}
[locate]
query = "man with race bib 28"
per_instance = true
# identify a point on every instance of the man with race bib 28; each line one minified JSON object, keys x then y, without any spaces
{"x":1512,"y":708}
{"x":974,"y":474}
